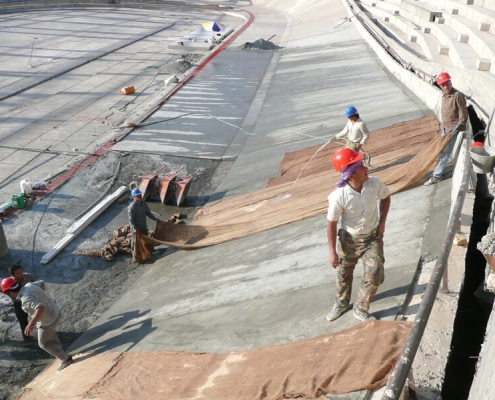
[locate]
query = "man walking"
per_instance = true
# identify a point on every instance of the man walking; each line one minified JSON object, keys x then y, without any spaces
{"x":362,"y":226}
{"x":22,"y":278}
{"x":137,"y":212}
{"x":454,"y":115}
{"x":44,"y":314}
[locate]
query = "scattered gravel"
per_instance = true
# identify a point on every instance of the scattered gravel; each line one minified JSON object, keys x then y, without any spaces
{"x":181,"y":65}
{"x":83,"y":287}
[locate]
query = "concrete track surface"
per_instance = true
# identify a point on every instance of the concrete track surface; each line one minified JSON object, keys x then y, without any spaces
{"x":270,"y":288}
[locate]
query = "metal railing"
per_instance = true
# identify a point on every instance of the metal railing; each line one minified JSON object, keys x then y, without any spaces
{"x":400,"y":373}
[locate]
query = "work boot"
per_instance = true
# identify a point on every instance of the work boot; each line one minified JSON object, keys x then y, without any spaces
{"x":432,"y":181}
{"x":337,"y":310}
{"x":65,"y":363}
{"x":362,"y":315}
{"x":29,"y":343}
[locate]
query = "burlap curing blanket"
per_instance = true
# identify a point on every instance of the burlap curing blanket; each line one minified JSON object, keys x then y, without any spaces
{"x":357,"y":358}
{"x":400,"y":156}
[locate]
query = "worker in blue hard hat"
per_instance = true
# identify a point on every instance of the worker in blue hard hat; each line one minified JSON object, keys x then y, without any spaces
{"x":356,"y":132}
{"x":138,"y":210}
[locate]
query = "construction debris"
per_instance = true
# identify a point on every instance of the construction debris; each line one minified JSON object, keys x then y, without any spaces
{"x":181,"y":65}
{"x":80,"y":225}
{"x":460,"y":240}
{"x":487,"y":244}
{"x":121,"y":242}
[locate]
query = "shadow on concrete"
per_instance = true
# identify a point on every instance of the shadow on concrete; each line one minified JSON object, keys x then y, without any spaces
{"x":128,"y":336}
{"x":17,"y":177}
{"x":394,"y":292}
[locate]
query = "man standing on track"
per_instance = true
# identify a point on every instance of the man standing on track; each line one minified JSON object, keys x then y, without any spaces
{"x":22,"y":316}
{"x":354,"y":204}
{"x":356,"y":132}
{"x":137,"y":211}
{"x":454,"y":117}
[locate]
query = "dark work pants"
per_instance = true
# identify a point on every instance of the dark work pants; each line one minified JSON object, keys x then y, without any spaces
{"x":22,"y":317}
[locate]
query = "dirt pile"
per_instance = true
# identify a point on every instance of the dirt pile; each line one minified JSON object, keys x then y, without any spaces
{"x":260,"y":44}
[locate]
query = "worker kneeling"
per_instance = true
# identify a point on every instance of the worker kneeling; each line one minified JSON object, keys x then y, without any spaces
{"x":362,"y":226}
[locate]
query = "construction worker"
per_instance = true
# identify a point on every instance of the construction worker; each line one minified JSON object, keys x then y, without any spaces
{"x":355,"y":130}
{"x":137,"y":211}
{"x":362,"y":225}
{"x":22,"y":316}
{"x":44,"y":314}
{"x":454,"y":115}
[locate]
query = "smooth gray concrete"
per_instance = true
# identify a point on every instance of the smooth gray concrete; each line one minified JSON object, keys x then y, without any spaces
{"x":272,"y":287}
{"x":222,"y":92}
{"x":298,"y":100}
{"x":276,"y":286}
{"x":65,"y":115}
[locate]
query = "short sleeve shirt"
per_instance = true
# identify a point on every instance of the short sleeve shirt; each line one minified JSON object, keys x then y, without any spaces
{"x":26,"y":278}
{"x":358,"y":212}
{"x":33,"y":297}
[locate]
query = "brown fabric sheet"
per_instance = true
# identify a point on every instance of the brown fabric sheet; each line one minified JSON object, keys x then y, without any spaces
{"x":337,"y":363}
{"x":400,"y":155}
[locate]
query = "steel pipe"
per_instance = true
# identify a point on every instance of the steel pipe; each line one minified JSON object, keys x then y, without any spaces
{"x":399,"y":375}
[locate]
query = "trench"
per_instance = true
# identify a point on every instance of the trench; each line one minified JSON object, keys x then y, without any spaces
{"x":474,"y":305}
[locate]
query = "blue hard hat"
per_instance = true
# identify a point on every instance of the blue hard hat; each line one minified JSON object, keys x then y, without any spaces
{"x":135,"y":192}
{"x":350,"y":111}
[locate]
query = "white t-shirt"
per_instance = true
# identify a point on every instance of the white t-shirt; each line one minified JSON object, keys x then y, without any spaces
{"x":358,"y":212}
{"x":356,"y":132}
{"x":33,"y":297}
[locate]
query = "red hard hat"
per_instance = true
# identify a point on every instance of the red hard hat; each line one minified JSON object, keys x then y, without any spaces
{"x":8,"y":283}
{"x":443,"y":77}
{"x":477,"y":144}
{"x":344,"y":157}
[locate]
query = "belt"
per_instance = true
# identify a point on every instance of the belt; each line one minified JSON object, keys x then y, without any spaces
{"x":364,"y":235}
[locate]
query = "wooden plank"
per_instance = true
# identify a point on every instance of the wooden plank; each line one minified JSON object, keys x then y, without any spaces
{"x":96,"y":211}
{"x":80,"y":225}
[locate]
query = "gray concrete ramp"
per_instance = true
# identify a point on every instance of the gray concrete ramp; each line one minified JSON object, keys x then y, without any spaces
{"x":201,"y":120}
{"x":265,"y":289}
{"x":276,"y":286}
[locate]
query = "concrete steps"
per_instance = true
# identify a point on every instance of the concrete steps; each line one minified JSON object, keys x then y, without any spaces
{"x":413,"y":34}
{"x":446,"y":32}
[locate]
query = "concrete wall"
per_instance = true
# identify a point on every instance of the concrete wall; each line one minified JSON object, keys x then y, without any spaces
{"x":483,"y":386}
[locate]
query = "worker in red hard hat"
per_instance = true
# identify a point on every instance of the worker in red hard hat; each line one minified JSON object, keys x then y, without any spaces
{"x":454,"y":116}
{"x":356,"y":132}
{"x":44,"y":313}
{"x":362,"y":226}
{"x":22,"y":278}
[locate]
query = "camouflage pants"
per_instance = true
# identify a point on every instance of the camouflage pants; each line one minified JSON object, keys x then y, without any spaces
{"x":351,"y":248}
